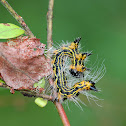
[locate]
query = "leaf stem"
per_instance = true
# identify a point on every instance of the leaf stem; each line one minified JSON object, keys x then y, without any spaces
{"x":18,"y":18}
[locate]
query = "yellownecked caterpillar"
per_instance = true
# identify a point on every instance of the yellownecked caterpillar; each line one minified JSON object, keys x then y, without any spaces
{"x":76,"y":69}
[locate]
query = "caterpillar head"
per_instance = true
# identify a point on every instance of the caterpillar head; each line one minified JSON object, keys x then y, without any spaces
{"x":89,"y":85}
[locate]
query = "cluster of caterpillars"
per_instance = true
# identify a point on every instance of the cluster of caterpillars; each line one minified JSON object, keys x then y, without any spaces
{"x":76,"y":69}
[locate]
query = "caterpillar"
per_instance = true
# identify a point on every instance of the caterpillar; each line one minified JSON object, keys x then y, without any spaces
{"x":76,"y":69}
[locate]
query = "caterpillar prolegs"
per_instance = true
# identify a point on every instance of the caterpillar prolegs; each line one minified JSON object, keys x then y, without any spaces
{"x":76,"y":69}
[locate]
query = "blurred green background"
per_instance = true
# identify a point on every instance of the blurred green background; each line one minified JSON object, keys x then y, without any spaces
{"x":102,"y":26}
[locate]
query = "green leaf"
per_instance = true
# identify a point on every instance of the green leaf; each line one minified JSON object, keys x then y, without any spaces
{"x":40,"y":83}
{"x":41,"y":102}
{"x":1,"y":81}
{"x":8,"y":30}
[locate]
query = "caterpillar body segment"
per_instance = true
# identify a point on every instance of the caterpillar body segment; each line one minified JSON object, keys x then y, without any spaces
{"x":76,"y":69}
{"x":66,"y":93}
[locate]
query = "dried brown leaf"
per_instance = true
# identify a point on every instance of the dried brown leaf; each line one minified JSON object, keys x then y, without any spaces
{"x":22,"y":62}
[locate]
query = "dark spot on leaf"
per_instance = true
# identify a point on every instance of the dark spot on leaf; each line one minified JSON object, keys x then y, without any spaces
{"x":35,"y":49}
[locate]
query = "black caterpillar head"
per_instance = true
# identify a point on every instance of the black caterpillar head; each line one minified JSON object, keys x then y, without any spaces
{"x":92,"y":86}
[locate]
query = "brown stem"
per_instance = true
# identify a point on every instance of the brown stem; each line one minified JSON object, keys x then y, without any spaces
{"x":18,"y":18}
{"x":49,"y":25}
{"x":62,"y":114}
{"x":28,"y":92}
{"x":58,"y":105}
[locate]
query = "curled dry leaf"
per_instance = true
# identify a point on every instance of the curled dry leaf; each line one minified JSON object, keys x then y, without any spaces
{"x":22,"y":62}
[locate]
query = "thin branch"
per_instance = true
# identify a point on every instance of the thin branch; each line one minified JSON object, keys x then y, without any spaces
{"x":34,"y":94}
{"x":58,"y":105}
{"x":18,"y":18}
{"x":49,"y":25}
{"x":30,"y":93}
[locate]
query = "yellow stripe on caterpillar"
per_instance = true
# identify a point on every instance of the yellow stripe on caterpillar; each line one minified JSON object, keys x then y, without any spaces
{"x":55,"y":52}
{"x":79,"y":68}
{"x":79,"y":56}
{"x":73,"y":45}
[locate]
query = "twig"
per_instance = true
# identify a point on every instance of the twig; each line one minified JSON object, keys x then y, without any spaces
{"x":18,"y":18}
{"x":30,"y":93}
{"x":34,"y":94}
{"x":49,"y":25}
{"x":58,"y":105}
